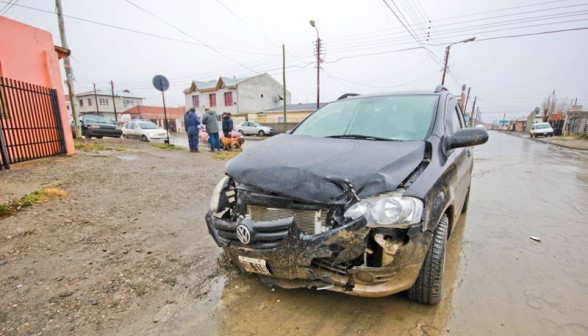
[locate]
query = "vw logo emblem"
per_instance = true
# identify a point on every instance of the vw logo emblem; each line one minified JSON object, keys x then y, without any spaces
{"x":243,"y":234}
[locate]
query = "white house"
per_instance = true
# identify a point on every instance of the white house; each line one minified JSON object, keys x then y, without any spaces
{"x":102,"y":103}
{"x":238,"y":96}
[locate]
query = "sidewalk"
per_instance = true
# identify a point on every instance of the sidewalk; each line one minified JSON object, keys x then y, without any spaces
{"x":573,"y":142}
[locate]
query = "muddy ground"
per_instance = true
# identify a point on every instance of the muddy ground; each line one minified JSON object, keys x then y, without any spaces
{"x":123,"y":249}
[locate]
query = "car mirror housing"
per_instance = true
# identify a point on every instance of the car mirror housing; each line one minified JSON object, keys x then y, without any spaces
{"x":467,"y":137}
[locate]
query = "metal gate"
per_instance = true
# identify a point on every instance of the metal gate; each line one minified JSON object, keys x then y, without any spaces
{"x":30,"y":122}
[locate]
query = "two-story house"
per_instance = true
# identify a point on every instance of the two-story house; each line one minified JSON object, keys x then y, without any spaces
{"x":102,"y":103}
{"x":238,"y":96}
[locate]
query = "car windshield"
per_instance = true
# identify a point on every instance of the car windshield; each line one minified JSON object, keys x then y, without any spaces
{"x":97,"y":119}
{"x":398,"y":117}
{"x":542,"y":126}
{"x":147,"y":125}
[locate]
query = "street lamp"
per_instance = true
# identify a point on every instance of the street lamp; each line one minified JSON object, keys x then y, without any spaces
{"x":318,"y":64}
{"x":447,"y":56}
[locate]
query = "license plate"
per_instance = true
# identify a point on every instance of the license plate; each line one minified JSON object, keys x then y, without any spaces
{"x":254,"y":265}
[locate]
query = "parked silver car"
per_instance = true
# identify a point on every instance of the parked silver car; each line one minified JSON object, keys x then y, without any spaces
{"x":253,"y":128}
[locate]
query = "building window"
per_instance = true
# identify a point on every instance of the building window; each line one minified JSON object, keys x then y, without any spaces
{"x":89,"y":101}
{"x":212,"y":100}
{"x":228,"y":99}
{"x":81,"y":103}
{"x":103,"y":101}
{"x":128,"y":103}
{"x":195,"y":101}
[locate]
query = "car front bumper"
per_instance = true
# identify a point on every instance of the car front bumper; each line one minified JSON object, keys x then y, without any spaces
{"x":284,"y":257}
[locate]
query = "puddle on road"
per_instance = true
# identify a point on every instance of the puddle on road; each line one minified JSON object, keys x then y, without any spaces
{"x":128,"y":157}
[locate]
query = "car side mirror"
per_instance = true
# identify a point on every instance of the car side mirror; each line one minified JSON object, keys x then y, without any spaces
{"x":467,"y":137}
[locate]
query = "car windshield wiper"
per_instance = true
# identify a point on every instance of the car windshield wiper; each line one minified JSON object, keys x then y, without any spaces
{"x":359,"y":136}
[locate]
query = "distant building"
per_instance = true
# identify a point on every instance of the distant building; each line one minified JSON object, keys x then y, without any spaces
{"x":156,"y":114}
{"x":102,"y":103}
{"x":242,"y":97}
{"x":295,"y":113}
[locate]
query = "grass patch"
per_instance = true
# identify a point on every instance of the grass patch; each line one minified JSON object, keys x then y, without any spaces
{"x":93,"y":147}
{"x":226,"y":155}
{"x":166,"y":146}
{"x":38,"y":196}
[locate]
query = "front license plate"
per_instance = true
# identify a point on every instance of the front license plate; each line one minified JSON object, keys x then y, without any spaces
{"x":254,"y":265}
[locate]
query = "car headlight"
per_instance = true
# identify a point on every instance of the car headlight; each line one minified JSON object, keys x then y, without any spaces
{"x":388,"y":210}
{"x":217,"y":201}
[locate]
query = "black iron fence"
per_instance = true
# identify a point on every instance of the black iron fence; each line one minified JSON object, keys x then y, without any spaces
{"x":30,"y":122}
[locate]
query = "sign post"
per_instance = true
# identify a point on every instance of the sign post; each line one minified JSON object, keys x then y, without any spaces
{"x":162,"y":84}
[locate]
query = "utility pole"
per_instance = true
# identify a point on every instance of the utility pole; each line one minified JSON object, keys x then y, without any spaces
{"x":447,"y":56}
{"x":68,"y":71}
{"x":473,"y":109}
{"x":284,"y":81}
{"x":96,"y":100}
{"x":318,"y":65}
{"x":113,"y":101}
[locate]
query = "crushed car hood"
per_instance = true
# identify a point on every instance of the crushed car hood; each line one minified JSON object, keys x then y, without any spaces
{"x":308,"y":168}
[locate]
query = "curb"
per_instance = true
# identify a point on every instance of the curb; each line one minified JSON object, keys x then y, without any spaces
{"x":546,"y":141}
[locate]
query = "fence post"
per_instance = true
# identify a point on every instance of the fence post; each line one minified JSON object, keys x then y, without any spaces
{"x":57,"y":114}
{"x":5,"y":162}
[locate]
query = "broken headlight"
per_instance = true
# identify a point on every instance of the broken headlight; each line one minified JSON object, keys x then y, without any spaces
{"x":218,"y":200}
{"x":388,"y":210}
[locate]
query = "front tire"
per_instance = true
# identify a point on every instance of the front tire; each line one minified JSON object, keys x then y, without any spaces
{"x":428,"y":288}
{"x":261,"y":133}
{"x":144,"y":138}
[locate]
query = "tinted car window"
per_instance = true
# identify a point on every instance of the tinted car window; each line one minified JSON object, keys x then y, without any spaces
{"x":454,"y":119}
{"x":399,"y":117}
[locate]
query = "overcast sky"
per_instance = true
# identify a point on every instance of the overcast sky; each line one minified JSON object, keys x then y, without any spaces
{"x":369,"y":46}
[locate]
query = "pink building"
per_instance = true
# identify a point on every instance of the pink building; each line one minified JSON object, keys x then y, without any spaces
{"x":34,"y":121}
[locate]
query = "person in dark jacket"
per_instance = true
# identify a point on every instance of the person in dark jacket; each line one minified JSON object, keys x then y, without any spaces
{"x":227,"y":125}
{"x":191,"y":122}
{"x":210,"y":120}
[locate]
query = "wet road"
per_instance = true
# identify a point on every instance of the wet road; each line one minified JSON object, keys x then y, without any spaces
{"x":498,"y":281}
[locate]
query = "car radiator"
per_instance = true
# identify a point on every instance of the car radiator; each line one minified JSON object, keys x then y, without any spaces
{"x":310,"y":222}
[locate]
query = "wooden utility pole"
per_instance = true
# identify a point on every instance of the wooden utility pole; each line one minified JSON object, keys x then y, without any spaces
{"x":473,"y":109}
{"x":68,"y":71}
{"x":113,"y":101}
{"x":96,"y":100}
{"x":284,"y":81}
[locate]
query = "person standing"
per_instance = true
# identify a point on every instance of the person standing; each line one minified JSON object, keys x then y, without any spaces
{"x":210,"y":120}
{"x":191,"y":122}
{"x":227,"y":125}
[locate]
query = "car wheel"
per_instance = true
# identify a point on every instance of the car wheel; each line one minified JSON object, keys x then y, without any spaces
{"x":428,"y":288}
{"x":98,"y":137}
{"x":240,"y":131}
{"x":261,"y":133}
{"x":144,"y":138}
{"x":125,"y":136}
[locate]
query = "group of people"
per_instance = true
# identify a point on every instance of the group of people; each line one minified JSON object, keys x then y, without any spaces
{"x":210,"y":122}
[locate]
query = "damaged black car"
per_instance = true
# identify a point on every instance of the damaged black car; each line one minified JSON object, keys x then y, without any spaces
{"x":358,"y":198}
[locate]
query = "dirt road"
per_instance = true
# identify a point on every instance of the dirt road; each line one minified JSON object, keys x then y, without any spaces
{"x":127,"y":252}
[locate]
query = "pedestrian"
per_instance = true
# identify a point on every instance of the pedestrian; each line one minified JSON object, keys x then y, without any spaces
{"x":210,"y":120}
{"x":227,"y":125}
{"x":191,"y":122}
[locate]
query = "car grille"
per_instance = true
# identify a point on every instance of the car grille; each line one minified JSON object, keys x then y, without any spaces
{"x":268,"y":234}
{"x":310,"y":222}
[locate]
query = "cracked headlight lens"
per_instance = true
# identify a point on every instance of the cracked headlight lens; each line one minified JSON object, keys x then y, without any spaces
{"x":389,"y":210}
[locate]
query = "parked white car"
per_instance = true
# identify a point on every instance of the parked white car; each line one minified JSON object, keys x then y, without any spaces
{"x":250,"y":127}
{"x":542,"y":128}
{"x":143,"y":130}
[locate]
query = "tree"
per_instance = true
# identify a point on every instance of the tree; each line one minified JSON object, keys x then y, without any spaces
{"x":553,"y":105}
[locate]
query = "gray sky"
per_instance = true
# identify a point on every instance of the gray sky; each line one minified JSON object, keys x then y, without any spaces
{"x":366,"y":47}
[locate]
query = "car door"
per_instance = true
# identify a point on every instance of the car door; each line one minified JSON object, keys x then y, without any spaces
{"x":249,"y":128}
{"x":460,"y":159}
